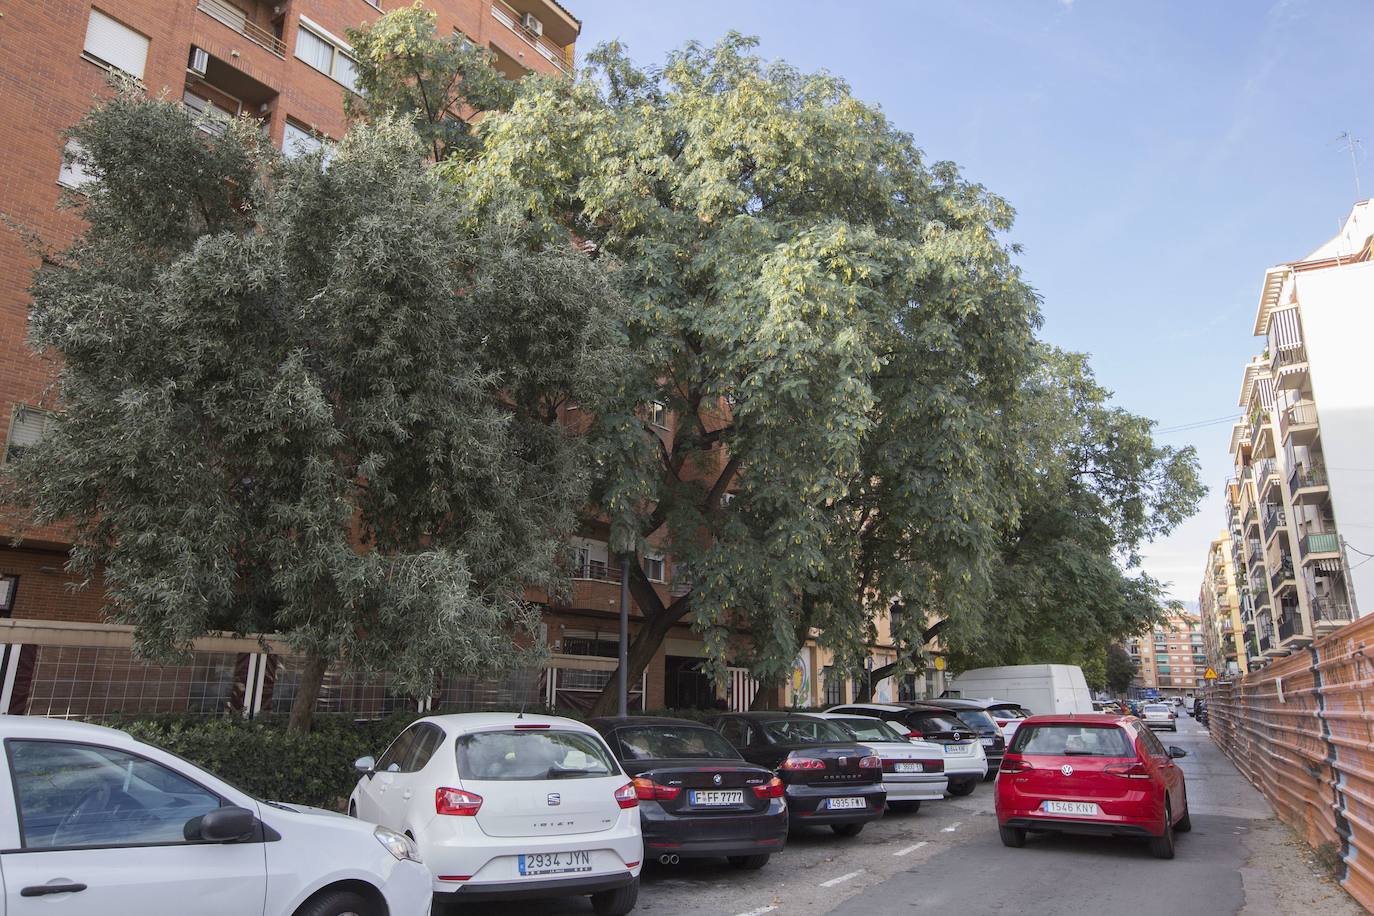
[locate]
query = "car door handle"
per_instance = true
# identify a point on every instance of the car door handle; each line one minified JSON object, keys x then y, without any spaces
{"x":42,"y":890}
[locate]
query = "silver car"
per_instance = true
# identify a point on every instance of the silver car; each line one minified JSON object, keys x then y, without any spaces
{"x":1160,"y":715}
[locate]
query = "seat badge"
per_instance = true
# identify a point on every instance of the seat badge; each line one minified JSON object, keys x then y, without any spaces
{"x":555,"y":799}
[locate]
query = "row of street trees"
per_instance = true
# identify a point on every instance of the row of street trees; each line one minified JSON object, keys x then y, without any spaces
{"x":322,"y":398}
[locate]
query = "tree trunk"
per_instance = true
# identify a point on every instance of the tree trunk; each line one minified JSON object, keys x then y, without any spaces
{"x":652,"y":632}
{"x":886,"y":671}
{"x":303,"y":706}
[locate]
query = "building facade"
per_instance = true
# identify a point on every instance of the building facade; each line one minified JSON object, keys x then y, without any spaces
{"x":1223,"y":631}
{"x":1172,"y":660}
{"x":1301,"y":448}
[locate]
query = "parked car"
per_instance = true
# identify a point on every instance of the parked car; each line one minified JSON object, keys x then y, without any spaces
{"x":965,"y":763}
{"x":1094,"y":774}
{"x":1160,"y":715}
{"x":698,"y":798}
{"x":829,"y":778}
{"x":1201,"y":713}
{"x":106,"y":824}
{"x":505,"y":806}
{"x":974,"y":713}
{"x":913,"y":771}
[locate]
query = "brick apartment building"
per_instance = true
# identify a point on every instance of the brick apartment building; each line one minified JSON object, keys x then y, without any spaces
{"x":1172,"y":659}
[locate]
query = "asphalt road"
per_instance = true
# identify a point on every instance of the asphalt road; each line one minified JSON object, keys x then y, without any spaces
{"x":947,"y":859}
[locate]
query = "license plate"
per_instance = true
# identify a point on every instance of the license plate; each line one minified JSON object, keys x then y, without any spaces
{"x":715,"y":798}
{"x":1088,"y":809}
{"x":989,"y":742}
{"x":555,"y":863}
{"x":845,"y":804}
{"x":908,"y":768}
{"x":957,"y":749}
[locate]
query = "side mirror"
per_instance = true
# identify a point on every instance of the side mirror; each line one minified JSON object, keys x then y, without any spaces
{"x":365,"y":765}
{"x":1177,"y":752}
{"x":222,"y":825}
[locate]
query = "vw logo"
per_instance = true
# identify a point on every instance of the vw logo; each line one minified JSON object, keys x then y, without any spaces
{"x":716,"y":779}
{"x":1066,"y":770}
{"x":555,"y":798}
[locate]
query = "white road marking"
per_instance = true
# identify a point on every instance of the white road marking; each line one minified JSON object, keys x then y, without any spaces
{"x":759,"y":912}
{"x":842,"y":878}
{"x":952,"y":827}
{"x":910,"y":849}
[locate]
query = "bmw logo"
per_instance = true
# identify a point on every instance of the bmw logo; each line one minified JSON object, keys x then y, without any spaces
{"x":716,"y":779}
{"x":1066,"y":770}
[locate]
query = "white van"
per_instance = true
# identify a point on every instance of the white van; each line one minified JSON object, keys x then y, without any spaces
{"x":1041,"y":689}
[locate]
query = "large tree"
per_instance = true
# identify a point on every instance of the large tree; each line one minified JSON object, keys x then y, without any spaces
{"x":310,"y":397}
{"x":835,"y":324}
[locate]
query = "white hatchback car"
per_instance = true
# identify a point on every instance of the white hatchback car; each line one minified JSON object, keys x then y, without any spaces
{"x":1160,"y":715}
{"x":102,"y":824}
{"x":505,"y":806}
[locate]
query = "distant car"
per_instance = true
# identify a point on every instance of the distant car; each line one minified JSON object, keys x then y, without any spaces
{"x":1160,"y":715}
{"x":506,"y":806}
{"x":913,"y":771}
{"x":1201,"y":713}
{"x":698,"y":798}
{"x":100,"y":823}
{"x":830,"y":780}
{"x":1094,"y":774}
{"x":965,"y":762}
{"x":1007,"y":716}
{"x":974,"y":713}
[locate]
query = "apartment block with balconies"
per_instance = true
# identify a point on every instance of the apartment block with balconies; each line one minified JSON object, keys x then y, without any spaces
{"x":1219,"y":607}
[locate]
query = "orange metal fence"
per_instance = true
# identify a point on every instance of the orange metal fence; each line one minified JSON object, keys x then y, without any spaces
{"x":1302,"y":730}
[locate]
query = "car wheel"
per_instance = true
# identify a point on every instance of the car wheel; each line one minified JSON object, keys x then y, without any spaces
{"x":963,"y":786}
{"x":847,"y":829}
{"x":1015,"y":837}
{"x":617,"y":902}
{"x":1162,"y":847}
{"x":337,"y":903}
{"x":1185,"y":823}
{"x":748,"y":863}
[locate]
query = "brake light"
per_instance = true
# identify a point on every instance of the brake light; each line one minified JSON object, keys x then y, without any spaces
{"x":914,"y":736}
{"x":1015,"y":765}
{"x":773,"y":788}
{"x":1134,"y":770}
{"x":870,"y":763}
{"x":456,"y":801}
{"x":803,"y":763}
{"x":648,"y":790}
{"x":626,"y":796}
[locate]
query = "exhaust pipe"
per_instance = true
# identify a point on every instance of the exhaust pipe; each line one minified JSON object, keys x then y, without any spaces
{"x":668,"y":860}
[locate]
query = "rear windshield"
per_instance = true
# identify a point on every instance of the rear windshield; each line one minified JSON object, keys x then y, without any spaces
{"x":933,"y":722}
{"x":1008,"y":712}
{"x":1156,"y":707}
{"x":871,"y":729}
{"x":533,"y":755}
{"x":977,"y":719}
{"x":805,"y":731}
{"x":666,"y":742}
{"x":1072,"y":741}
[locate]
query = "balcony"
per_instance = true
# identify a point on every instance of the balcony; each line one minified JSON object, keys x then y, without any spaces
{"x":1265,"y":475}
{"x":1331,"y":612}
{"x":1308,"y":483}
{"x":1282,"y":576}
{"x":1290,"y":621}
{"x":1299,"y":423}
{"x":1289,"y":367}
{"x":596,"y":570}
{"x":560,"y":56}
{"x":1273,"y":518}
{"x":239,"y":21}
{"x":1256,"y":424}
{"x":1328,"y":542}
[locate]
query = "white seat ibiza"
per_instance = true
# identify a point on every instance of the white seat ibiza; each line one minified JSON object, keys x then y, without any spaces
{"x":505,"y":806}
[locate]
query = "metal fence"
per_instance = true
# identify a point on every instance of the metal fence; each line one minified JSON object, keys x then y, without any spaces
{"x":1302,"y":730}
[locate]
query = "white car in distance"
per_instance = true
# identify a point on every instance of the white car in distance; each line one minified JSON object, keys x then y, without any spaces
{"x":506,"y":806}
{"x":99,"y":824}
{"x":913,"y":770}
{"x":1160,"y":715}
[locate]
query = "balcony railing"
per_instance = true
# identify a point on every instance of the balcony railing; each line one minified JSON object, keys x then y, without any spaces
{"x":1272,"y":518}
{"x":237,"y":20}
{"x":1282,"y":572}
{"x":1303,"y":413}
{"x":1320,"y":542}
{"x":596,"y":570}
{"x":1304,"y":476}
{"x":513,"y":20}
{"x":1256,"y":424}
{"x":1287,"y":357}
{"x":1290,"y":625}
{"x":1330,"y":610}
{"x":1263,"y":471}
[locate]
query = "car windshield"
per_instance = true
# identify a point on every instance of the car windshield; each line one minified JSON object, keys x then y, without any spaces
{"x":532,"y":754}
{"x":1071,"y":741}
{"x":805,"y":731}
{"x":667,"y":742}
{"x":871,"y":729}
{"x":976,"y":718}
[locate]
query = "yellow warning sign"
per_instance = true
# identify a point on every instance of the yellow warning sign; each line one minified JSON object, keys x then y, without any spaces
{"x":939,"y":663}
{"x":1211,"y":674}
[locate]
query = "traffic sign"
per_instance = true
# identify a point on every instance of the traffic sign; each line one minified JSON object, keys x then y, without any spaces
{"x":1211,"y":673}
{"x":939,"y":663}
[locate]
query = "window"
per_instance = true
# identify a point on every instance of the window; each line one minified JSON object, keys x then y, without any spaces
{"x":590,"y":642}
{"x":430,"y":737}
{"x":297,"y":141}
{"x":734,"y":731}
{"x":83,"y":795}
{"x":833,"y":685}
{"x":653,"y":567}
{"x":1071,"y":741}
{"x":866,"y":729}
{"x":214,"y":116}
{"x":27,"y":426}
{"x":658,"y":414}
{"x":673,"y":742}
{"x":73,"y":173}
{"x":112,"y":44}
{"x":532,"y":754}
{"x":805,"y":731}
{"x":399,"y":754}
{"x":9,"y":587}
{"x":327,"y":56}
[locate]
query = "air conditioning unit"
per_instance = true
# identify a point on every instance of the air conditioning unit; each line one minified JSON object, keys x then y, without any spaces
{"x":533,"y":24}
{"x":198,"y":61}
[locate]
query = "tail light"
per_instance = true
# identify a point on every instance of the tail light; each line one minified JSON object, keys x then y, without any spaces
{"x":1015,"y":765}
{"x":456,"y":801}
{"x":771,"y":789}
{"x":648,"y":790}
{"x":1134,"y":770}
{"x":803,"y":763}
{"x":627,"y":796}
{"x":914,"y":736}
{"x":870,"y":763}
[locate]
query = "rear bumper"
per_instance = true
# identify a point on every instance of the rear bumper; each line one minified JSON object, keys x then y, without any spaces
{"x":525,"y":890}
{"x":706,"y":834}
{"x":1068,"y":825}
{"x":808,"y":804}
{"x":929,"y":788}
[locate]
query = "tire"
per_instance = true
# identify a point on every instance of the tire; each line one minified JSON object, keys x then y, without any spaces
{"x":904,"y":807}
{"x":748,"y":863}
{"x":847,"y":829}
{"x":337,"y":903}
{"x":1162,"y":847}
{"x":964,"y":786}
{"x":1185,"y":823}
{"x":617,"y":902}
{"x":1015,"y":837}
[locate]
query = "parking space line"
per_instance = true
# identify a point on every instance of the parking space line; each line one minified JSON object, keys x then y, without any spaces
{"x":842,"y":878}
{"x":910,"y":849}
{"x":952,"y":827}
{"x":759,"y":912}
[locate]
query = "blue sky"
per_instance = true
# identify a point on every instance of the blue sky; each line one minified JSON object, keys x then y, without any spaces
{"x":1160,"y":156}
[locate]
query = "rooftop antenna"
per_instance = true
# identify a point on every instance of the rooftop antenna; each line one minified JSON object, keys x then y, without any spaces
{"x":1355,"y":147}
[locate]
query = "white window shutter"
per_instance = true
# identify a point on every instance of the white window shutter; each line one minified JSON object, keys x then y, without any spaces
{"x":73,"y":173}
{"x":116,"y":44}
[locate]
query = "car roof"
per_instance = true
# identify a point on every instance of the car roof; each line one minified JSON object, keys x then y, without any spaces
{"x":608,"y":722}
{"x":764,"y":714}
{"x":956,"y":703}
{"x":842,"y":715}
{"x":485,"y":721}
{"x":890,"y":707}
{"x":1080,"y":718}
{"x":44,"y":727}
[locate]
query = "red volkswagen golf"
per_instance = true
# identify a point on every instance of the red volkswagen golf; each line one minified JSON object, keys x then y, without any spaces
{"x":1099,"y":774}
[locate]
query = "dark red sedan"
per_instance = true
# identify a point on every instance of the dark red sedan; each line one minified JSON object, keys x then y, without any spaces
{"x":1096,"y":774}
